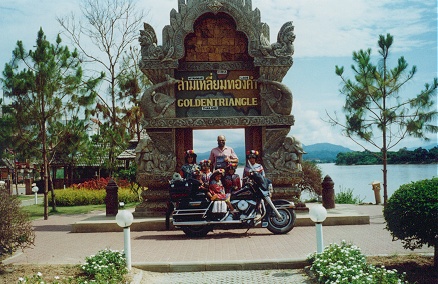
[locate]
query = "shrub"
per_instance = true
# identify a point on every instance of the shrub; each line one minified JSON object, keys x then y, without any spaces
{"x":406,"y":207}
{"x":346,"y":264}
{"x":107,"y":266}
{"x":346,"y":197}
{"x":312,"y":178}
{"x":15,"y":226}
{"x":130,"y":175}
{"x":79,"y":197}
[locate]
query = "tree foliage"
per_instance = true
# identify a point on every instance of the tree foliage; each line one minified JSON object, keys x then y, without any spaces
{"x":16,"y":229}
{"x":377,"y":111}
{"x":49,"y":84}
{"x":104,"y":34}
{"x":6,"y":126}
{"x":406,"y":207}
{"x":402,"y":156}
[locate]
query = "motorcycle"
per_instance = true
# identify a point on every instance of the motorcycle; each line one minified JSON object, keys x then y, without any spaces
{"x":196,"y":215}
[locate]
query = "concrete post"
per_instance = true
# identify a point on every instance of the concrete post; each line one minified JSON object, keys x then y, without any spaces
{"x":376,"y":189}
{"x":328,"y":193}
{"x":112,"y":199}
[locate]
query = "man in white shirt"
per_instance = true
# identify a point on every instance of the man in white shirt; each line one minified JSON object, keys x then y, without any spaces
{"x":222,"y":155}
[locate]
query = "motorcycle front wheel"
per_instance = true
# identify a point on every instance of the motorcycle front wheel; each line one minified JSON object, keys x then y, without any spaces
{"x":196,"y":231}
{"x":284,"y":225}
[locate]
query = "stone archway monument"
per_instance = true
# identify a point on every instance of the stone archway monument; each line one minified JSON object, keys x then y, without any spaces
{"x":215,"y":69}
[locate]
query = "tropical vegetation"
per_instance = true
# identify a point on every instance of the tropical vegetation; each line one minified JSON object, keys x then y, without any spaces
{"x":377,"y":113}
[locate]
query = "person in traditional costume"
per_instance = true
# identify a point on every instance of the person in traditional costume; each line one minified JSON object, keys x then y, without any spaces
{"x":190,"y":164}
{"x":217,"y":190}
{"x":205,"y":171}
{"x":251,"y":164}
{"x":231,"y":179}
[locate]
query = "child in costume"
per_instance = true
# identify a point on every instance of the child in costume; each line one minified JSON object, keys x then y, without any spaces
{"x":217,"y":190}
{"x":205,"y":171}
{"x":251,"y":164}
{"x":231,"y":179}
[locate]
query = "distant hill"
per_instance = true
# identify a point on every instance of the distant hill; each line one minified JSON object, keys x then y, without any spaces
{"x":427,"y":147}
{"x":323,"y":152}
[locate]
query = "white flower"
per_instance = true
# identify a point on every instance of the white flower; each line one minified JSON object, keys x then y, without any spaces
{"x":21,"y":279}
{"x":39,"y":274}
{"x":57,"y":277}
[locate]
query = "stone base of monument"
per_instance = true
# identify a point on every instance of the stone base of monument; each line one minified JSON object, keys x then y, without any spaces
{"x":154,"y":203}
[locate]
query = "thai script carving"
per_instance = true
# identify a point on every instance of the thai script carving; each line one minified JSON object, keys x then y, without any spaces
{"x":208,"y":84}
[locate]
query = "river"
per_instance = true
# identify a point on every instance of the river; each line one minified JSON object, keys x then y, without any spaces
{"x":359,"y":178}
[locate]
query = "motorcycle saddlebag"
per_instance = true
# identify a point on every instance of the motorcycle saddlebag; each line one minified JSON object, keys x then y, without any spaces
{"x":180,"y":190}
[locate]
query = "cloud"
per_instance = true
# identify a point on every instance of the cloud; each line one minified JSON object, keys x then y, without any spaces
{"x":327,"y":31}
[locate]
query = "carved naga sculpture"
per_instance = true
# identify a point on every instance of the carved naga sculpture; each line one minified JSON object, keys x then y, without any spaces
{"x":155,"y":105}
{"x":284,"y":45}
{"x":278,"y":96}
{"x":149,"y":47}
{"x":288,"y":157}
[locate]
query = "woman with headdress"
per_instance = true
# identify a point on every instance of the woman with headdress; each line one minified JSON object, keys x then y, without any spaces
{"x":190,"y":164}
{"x":231,"y":179}
{"x":251,"y":164}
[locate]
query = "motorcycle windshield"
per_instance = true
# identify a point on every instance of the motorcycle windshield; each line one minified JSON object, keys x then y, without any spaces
{"x":261,"y":181}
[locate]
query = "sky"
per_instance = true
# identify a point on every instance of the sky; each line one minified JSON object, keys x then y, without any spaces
{"x":327,"y":33}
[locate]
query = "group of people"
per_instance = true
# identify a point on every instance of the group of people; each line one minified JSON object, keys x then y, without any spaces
{"x":217,"y":175}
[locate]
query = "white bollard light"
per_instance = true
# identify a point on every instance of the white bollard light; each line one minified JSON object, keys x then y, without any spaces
{"x":124,"y":219}
{"x":35,"y":190}
{"x":318,"y":214}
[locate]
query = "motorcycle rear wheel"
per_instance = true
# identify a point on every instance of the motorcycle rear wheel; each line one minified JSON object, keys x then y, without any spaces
{"x":196,"y":231}
{"x":283,"y":226}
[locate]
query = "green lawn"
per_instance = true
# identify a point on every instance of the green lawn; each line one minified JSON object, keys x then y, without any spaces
{"x":26,"y":197}
{"x":37,"y":211}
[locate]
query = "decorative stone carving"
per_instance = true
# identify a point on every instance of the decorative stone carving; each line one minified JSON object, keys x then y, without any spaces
{"x":247,"y":21}
{"x":149,"y":47}
{"x":156,"y":105}
{"x":213,"y":122}
{"x":287,"y":159}
{"x":283,"y":47}
{"x":151,"y":161}
{"x":277,"y":97}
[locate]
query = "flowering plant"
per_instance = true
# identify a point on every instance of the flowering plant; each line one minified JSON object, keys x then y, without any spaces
{"x":107,"y":266}
{"x":345,"y":263}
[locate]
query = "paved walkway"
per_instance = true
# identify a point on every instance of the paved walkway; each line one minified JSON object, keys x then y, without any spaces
{"x":172,"y":251}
